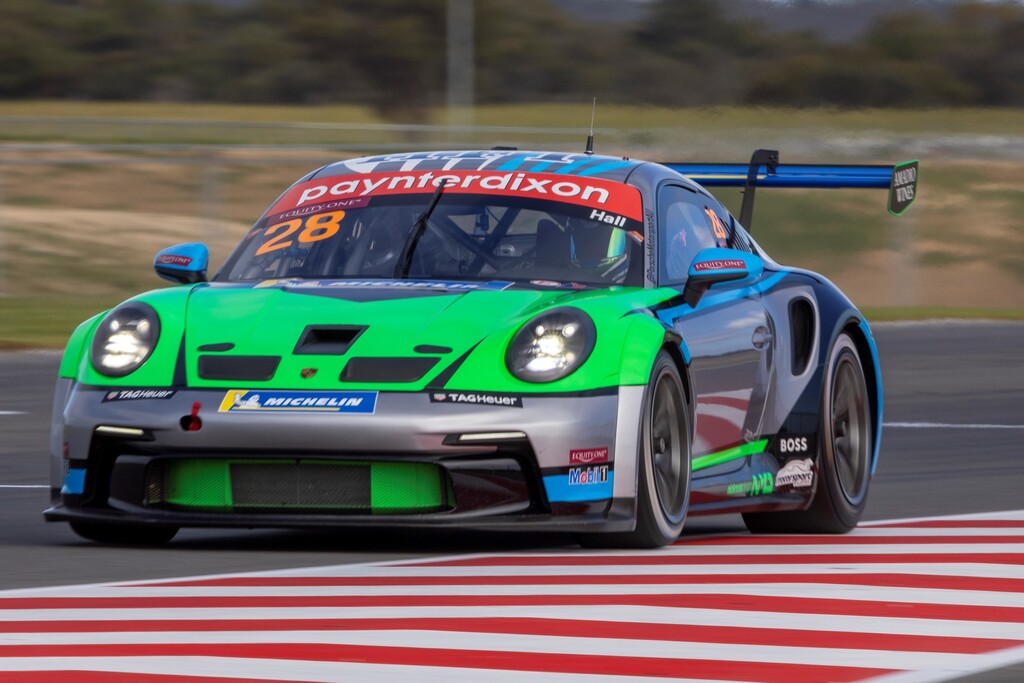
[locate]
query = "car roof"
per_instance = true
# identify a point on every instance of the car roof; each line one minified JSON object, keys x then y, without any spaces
{"x":591,"y":165}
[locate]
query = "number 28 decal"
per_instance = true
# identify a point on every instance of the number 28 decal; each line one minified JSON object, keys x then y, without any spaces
{"x":716,"y":224}
{"x":313,"y":229}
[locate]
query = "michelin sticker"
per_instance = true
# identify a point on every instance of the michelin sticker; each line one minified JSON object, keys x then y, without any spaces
{"x":797,"y":473}
{"x":260,"y":401}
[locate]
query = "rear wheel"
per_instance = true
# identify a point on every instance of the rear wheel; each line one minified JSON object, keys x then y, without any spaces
{"x":845,"y":459}
{"x":124,"y":534}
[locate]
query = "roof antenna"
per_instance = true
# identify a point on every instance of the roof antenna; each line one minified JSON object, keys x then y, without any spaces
{"x":589,"y":151}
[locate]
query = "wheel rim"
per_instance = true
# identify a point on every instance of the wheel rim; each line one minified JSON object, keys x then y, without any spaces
{"x":667,"y":452}
{"x":849,"y":421}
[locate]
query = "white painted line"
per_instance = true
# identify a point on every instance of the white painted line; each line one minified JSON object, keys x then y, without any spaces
{"x":990,"y":662}
{"x":13,"y":412}
{"x":795,"y":549}
{"x":516,"y":643}
{"x":624,"y":613}
{"x":24,"y":486}
{"x":978,"y":598}
{"x":1015,"y":515}
{"x":796,"y":569}
{"x":311,"y":671}
{"x":946,"y":425}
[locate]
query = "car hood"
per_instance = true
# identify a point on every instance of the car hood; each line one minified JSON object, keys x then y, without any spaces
{"x":310,"y":334}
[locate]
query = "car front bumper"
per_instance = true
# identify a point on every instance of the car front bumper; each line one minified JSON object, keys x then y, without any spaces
{"x":547,"y":462}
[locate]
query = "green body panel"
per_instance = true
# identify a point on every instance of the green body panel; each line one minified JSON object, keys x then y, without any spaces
{"x":641,"y":344}
{"x":269,"y":321}
{"x":394,"y":486}
{"x":158,"y":370}
{"x":626,"y":343}
{"x":735,"y":453}
{"x":400,"y":485}
{"x":198,"y":483}
{"x":76,"y":353}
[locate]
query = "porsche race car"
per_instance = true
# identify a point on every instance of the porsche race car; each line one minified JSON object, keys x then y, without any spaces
{"x":495,"y":339}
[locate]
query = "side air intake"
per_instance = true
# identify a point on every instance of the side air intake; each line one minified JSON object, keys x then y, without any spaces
{"x":801,"y":320}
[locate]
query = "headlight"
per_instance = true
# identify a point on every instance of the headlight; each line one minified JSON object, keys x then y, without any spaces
{"x":124,"y":339}
{"x":551,"y":346}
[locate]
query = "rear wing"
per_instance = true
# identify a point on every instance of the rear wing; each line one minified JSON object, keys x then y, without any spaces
{"x":764,"y":170}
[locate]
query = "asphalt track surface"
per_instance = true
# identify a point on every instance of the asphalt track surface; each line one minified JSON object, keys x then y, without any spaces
{"x":954,"y":415}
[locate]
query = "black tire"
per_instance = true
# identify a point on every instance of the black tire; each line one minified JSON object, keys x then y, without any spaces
{"x":124,"y":534}
{"x":844,"y":467}
{"x":663,"y":464}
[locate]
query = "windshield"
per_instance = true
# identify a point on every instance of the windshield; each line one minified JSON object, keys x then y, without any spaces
{"x":469,"y":235}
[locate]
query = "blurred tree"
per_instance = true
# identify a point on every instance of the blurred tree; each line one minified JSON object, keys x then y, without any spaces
{"x":118,"y":43}
{"x":398,"y":48}
{"x":698,"y":56}
{"x":390,"y":54}
{"x":1009,"y":68}
{"x":36,"y":61}
{"x":189,"y":66}
{"x":985,"y":50}
{"x":325,"y":64}
{"x":698,"y":31}
{"x":532,"y":51}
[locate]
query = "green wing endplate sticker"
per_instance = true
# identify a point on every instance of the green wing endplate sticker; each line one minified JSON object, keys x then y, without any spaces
{"x":903,"y":188}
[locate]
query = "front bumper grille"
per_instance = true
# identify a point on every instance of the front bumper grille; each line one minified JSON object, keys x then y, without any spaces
{"x":296,"y":485}
{"x":300,"y":486}
{"x":235,"y":487}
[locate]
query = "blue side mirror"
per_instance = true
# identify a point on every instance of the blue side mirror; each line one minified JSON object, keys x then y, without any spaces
{"x":183,"y":263}
{"x":715,"y":265}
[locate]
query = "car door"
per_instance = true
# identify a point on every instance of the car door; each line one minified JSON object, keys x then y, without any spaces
{"x":728,"y":333}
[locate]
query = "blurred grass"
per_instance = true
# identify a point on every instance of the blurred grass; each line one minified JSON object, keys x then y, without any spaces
{"x":917,"y":313}
{"x":619,"y":126}
{"x":79,"y":226}
{"x":46,"y":321}
{"x":964,"y":120}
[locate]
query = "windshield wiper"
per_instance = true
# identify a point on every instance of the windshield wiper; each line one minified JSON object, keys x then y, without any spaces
{"x":418,"y":228}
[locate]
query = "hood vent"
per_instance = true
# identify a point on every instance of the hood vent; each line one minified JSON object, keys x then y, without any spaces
{"x":238,"y":368}
{"x":327,"y":340}
{"x":384,"y":369}
{"x":225,"y":346}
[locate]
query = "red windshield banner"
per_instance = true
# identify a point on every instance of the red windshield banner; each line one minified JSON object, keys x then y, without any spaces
{"x":596,"y":193}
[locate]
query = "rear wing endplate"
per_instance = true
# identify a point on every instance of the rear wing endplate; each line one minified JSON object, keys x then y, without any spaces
{"x":764,"y":170}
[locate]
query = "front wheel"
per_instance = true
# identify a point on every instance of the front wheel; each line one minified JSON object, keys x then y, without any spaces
{"x":663,"y":463}
{"x":845,"y":459}
{"x":124,"y":534}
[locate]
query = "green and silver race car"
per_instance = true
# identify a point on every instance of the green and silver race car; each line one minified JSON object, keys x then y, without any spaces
{"x":492,"y":339}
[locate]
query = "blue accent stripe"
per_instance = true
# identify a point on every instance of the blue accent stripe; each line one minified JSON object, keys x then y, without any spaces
{"x":74,"y":482}
{"x":713,"y":298}
{"x":571,"y":168}
{"x":560,"y":491}
{"x":788,"y":175}
{"x":720,"y":298}
{"x":686,"y":351}
{"x":602,"y":168}
{"x":878,"y":384}
{"x":513,"y":163}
